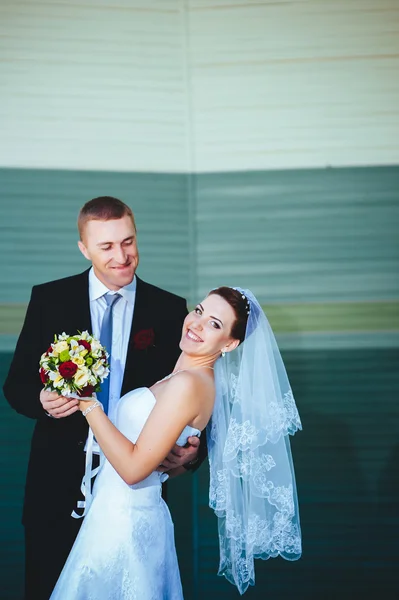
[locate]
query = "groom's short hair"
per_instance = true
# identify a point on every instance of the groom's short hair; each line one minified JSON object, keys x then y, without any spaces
{"x":103,"y":208}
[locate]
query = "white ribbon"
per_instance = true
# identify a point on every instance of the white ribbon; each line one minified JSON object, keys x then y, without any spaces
{"x":89,"y":473}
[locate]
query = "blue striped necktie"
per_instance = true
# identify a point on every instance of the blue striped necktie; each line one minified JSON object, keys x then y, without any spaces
{"x":106,"y":340}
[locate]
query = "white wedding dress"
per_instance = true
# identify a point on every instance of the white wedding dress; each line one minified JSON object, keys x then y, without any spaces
{"x":125,"y":549}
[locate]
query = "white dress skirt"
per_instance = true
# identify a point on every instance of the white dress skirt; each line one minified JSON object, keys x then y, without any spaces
{"x":125,"y":549}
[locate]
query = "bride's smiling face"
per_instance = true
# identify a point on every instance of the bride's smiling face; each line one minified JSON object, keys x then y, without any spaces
{"x":207,"y":328}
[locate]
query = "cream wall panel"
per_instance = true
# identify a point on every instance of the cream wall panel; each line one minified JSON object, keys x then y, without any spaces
{"x":294,"y":84}
{"x":196,"y":85}
{"x":93,"y":85}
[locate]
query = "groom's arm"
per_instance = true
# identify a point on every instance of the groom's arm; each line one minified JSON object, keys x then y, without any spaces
{"x":22,"y":386}
{"x":187,"y":458}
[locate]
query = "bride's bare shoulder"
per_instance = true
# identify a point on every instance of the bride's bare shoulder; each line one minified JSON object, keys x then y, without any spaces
{"x":194,"y":383}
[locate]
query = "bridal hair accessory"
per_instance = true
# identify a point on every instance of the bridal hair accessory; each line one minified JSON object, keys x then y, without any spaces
{"x":74,"y":366}
{"x":252,"y":481}
{"x":243,"y":296}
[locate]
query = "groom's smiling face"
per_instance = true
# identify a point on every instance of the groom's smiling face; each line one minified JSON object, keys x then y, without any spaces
{"x":111,"y":246}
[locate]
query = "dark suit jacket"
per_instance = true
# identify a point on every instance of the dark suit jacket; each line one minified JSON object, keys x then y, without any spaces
{"x":56,"y":463}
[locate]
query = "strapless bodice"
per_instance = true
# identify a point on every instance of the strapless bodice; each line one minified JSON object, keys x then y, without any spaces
{"x":132,"y":412}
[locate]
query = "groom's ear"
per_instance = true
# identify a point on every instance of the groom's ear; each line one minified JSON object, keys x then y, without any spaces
{"x":83,"y":249}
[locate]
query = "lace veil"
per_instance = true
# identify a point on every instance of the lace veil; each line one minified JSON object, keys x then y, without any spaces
{"x":252,"y":481}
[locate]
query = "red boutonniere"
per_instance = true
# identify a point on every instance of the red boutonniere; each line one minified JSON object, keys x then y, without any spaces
{"x":143,"y":339}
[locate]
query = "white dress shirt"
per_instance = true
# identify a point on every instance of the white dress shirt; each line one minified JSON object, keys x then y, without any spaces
{"x":122,"y":317}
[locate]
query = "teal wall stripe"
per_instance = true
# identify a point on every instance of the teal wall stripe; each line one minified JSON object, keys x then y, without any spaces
{"x":301,"y":236}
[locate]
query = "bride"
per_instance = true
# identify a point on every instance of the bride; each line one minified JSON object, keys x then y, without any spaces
{"x":229,"y":376}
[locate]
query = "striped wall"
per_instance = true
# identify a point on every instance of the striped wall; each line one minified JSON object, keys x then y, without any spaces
{"x":199,"y":85}
{"x":257,"y":143}
{"x":93,"y":85}
{"x":301,"y":236}
{"x":298,"y":84}
{"x":318,"y":247}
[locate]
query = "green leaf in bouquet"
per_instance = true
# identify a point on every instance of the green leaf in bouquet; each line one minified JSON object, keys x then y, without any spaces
{"x":89,"y":361}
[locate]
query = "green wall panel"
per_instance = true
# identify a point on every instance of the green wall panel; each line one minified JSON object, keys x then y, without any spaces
{"x":346,"y":467}
{"x":300,"y":236}
{"x":15,"y":434}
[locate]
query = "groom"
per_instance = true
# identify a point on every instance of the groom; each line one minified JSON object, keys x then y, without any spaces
{"x":146,"y":331}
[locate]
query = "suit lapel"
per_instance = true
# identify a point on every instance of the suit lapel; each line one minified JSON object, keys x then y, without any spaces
{"x":136,"y":359}
{"x":80,"y":302}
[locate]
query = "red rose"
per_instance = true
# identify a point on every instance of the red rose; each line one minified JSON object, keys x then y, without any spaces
{"x":85,"y":344}
{"x":49,"y":350}
{"x":86,"y":392}
{"x":143,"y":339}
{"x":43,"y":376}
{"x":68,"y":369}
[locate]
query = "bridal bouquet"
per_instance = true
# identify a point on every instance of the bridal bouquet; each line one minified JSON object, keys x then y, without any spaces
{"x":74,"y":366}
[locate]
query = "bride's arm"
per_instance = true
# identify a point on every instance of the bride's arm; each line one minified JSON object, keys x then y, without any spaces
{"x":178,"y":406}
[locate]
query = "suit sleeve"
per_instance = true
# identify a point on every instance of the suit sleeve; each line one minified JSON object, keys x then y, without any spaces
{"x":22,"y":386}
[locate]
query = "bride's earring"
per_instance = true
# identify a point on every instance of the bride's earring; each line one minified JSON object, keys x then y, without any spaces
{"x":223,"y":353}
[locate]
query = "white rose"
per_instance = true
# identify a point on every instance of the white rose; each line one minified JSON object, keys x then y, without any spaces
{"x":81,"y":377}
{"x":60,"y":347}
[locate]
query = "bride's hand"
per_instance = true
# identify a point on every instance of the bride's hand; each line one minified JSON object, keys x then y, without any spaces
{"x":180,"y":456}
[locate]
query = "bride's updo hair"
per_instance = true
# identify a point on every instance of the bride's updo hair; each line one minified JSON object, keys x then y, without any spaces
{"x":241,"y":307}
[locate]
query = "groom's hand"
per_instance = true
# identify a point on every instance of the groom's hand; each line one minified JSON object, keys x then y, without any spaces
{"x":180,"y":456}
{"x":57,"y":406}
